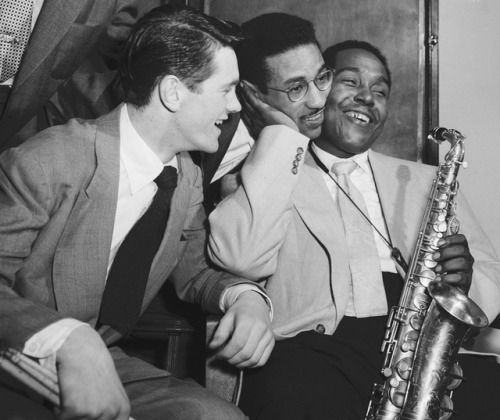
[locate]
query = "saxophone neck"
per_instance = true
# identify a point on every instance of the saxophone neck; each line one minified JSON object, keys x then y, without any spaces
{"x":457,"y":151}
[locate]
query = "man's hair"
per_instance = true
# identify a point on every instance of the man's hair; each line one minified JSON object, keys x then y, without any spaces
{"x":268,"y":35}
{"x":177,"y":41}
{"x":330,"y":54}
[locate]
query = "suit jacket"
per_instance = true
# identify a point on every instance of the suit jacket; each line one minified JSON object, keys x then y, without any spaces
{"x":65,"y":33}
{"x":58,"y":194}
{"x":282,"y":225}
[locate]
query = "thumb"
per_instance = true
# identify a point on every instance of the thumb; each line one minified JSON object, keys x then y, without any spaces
{"x":222,"y":333}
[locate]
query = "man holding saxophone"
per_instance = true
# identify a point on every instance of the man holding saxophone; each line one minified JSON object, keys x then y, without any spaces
{"x":328,"y":228}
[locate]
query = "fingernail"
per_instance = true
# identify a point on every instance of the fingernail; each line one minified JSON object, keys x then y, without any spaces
{"x":441,"y":242}
{"x":438,"y":268}
{"x":436,"y":256}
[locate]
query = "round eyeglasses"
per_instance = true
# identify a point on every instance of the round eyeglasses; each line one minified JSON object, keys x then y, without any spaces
{"x":298,"y":90}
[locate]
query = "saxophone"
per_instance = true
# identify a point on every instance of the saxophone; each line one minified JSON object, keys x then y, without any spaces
{"x":425,"y":331}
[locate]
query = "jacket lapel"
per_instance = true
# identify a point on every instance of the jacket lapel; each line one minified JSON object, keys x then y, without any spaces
{"x":396,"y":183}
{"x":78,"y":286}
{"x":321,"y":216}
{"x":166,"y":257}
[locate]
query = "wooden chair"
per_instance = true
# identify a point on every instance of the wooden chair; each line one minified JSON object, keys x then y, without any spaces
{"x":168,"y":336}
{"x":221,"y":378}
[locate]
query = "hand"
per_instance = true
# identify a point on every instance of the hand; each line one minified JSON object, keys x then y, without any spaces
{"x":244,"y":337}
{"x":88,"y":383}
{"x":256,"y":114}
{"x":455,"y":261}
{"x":229,"y":184}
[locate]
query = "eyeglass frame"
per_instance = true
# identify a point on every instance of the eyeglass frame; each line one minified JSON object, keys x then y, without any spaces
{"x":322,"y":72}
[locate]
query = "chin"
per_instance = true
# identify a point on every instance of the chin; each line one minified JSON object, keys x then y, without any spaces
{"x":312,"y":133}
{"x":212,"y":146}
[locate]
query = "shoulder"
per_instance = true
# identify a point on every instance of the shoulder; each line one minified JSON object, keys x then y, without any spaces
{"x":61,"y":152}
{"x":402,"y":166}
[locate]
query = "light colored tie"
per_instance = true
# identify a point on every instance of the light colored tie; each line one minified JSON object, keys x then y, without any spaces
{"x":368,"y":294}
{"x":15,"y":31}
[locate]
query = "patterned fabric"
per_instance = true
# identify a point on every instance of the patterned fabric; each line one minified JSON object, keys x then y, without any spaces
{"x":367,"y":289}
{"x":15,"y":31}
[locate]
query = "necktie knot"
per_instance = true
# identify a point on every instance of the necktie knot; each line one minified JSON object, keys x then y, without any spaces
{"x":167,"y":178}
{"x":344,"y":167}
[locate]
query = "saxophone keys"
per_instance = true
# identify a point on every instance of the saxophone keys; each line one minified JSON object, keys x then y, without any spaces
{"x":421,"y":301}
{"x":454,"y":226}
{"x":429,"y":262}
{"x":397,"y":394}
{"x":404,"y":368}
{"x":410,"y":341}
{"x":456,"y":376}
{"x":440,"y":226}
{"x":426,"y":276}
{"x":446,"y":409}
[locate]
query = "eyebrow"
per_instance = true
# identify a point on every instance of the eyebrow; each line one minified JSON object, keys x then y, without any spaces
{"x":356,"y":70}
{"x":301,"y":78}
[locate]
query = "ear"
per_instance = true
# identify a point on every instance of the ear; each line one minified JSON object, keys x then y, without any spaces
{"x":169,"y":91}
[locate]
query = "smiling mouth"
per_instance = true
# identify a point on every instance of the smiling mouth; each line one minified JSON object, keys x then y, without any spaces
{"x":316,"y":118}
{"x":359,"y":116}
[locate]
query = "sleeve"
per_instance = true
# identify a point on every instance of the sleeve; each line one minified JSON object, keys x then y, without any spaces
{"x":194,"y":277}
{"x":25,"y":207}
{"x":248,"y":227}
{"x":485,"y":287}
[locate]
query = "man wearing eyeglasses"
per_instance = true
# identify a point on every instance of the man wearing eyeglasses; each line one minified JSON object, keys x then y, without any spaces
{"x":280,"y":61}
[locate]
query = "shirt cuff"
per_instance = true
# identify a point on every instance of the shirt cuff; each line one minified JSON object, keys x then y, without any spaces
{"x":231,"y":293}
{"x":47,"y":341}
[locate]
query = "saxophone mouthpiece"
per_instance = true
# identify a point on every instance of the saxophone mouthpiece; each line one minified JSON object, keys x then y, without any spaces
{"x":440,"y":134}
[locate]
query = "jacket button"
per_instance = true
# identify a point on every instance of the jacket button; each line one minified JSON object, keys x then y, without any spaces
{"x":320,"y":329}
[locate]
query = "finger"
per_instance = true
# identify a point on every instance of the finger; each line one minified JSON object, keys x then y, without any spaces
{"x":222,"y":333}
{"x":247,"y":350}
{"x":249,"y":354}
{"x":461,"y":280}
{"x":454,"y":265}
{"x":248,"y":96}
{"x":258,"y":357}
{"x":455,"y":239}
{"x":265,"y":355}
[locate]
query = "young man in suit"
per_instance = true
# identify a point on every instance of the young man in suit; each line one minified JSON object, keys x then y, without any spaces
{"x":287,"y":224}
{"x":73,"y":199}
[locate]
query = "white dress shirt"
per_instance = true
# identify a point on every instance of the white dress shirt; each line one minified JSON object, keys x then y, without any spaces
{"x":239,"y":148}
{"x":362,"y":178}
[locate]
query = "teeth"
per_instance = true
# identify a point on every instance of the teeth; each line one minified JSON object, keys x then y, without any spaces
{"x":218,"y":122}
{"x":316,"y":116}
{"x":358,"y":116}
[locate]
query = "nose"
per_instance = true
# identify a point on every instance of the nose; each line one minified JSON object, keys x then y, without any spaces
{"x":233,"y":105}
{"x":316,"y":98}
{"x":365,"y":96}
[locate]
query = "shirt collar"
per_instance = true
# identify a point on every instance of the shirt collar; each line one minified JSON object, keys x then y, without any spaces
{"x":328,"y":159}
{"x":140,"y":163}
